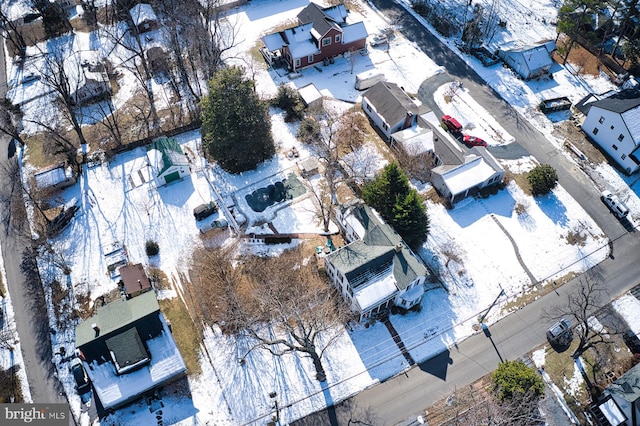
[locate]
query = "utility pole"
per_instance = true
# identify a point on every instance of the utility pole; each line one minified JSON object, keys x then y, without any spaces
{"x":482,"y":318}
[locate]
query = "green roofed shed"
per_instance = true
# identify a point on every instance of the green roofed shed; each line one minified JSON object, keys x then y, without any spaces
{"x":167,"y":160}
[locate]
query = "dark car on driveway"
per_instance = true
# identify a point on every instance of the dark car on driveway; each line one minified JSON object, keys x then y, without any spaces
{"x":473,"y":141}
{"x":632,"y":341}
{"x":205,"y":210}
{"x":80,"y":376}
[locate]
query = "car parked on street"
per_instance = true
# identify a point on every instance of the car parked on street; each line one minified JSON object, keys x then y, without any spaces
{"x":473,"y":141}
{"x":615,"y":205}
{"x":560,"y":333}
{"x":451,"y":124}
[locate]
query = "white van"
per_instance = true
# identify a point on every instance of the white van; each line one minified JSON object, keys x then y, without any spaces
{"x":615,"y":205}
{"x":366,"y":79}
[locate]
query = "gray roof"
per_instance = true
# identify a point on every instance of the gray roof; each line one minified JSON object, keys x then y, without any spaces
{"x":627,"y":387}
{"x":380,"y":248}
{"x":115,"y":315}
{"x":620,"y":102}
{"x":322,"y":22}
{"x":127,"y":348}
{"x":391,"y":102}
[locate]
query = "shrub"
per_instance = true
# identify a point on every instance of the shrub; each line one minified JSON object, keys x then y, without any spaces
{"x":514,"y":379}
{"x":152,"y":248}
{"x":288,"y":100}
{"x":309,"y":130}
{"x":543,"y":179}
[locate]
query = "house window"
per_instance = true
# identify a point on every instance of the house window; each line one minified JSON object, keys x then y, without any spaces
{"x":326,"y":41}
{"x":620,"y":137}
{"x":624,"y":156}
{"x":595,"y":131}
{"x":297,"y":63}
{"x":368,"y":107}
{"x":615,"y":148}
{"x":385,"y":126}
{"x":310,"y":59}
{"x":338,"y":38}
{"x":601,"y":120}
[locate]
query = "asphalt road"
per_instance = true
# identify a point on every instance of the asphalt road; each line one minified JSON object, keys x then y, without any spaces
{"x":27,"y":297}
{"x":401,"y":399}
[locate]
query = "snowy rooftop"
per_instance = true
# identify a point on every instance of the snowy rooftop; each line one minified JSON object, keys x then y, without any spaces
{"x":474,"y":171}
{"x":375,"y":291}
{"x":166,"y":363}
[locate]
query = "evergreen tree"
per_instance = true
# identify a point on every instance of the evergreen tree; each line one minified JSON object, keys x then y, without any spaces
{"x":543,"y":179}
{"x":399,"y":204}
{"x":236,"y":129}
{"x":514,"y":378}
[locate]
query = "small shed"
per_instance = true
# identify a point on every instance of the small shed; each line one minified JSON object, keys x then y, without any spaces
{"x":311,"y":96}
{"x":144,"y":18}
{"x":134,"y":280}
{"x":309,"y":167}
{"x":529,"y":61}
{"x":57,"y":177}
{"x":167,"y":160}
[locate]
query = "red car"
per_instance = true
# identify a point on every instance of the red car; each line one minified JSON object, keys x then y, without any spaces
{"x":473,"y":141}
{"x":452,"y":124}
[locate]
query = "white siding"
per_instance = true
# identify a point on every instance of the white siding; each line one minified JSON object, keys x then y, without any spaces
{"x":606,"y":128}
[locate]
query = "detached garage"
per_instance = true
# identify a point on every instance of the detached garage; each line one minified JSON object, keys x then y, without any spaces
{"x":167,"y":161}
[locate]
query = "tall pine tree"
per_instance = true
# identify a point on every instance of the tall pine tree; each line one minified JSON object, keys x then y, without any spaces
{"x":399,"y":204}
{"x":236,"y":129}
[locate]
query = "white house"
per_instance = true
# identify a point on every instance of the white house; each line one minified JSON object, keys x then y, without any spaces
{"x":457,"y":181}
{"x":390,"y":108}
{"x":529,"y":61}
{"x":376,"y":269}
{"x":167,"y":161}
{"x":144,"y":18}
{"x":613,"y":123}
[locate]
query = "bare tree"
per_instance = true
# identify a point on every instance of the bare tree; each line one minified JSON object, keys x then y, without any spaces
{"x":16,"y":44}
{"x":62,"y":74}
{"x":137,"y":63}
{"x":293,"y":310}
{"x":582,"y":303}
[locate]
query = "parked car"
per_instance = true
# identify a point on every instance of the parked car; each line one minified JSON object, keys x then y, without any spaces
{"x":218,"y":223}
{"x":632,"y":341}
{"x":205,"y":210}
{"x":80,"y":376}
{"x":473,"y":141}
{"x":378,"y":39}
{"x":560,"y":333}
{"x":615,"y":205}
{"x":452,"y":124}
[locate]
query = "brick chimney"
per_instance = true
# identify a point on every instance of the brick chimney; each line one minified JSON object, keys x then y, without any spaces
{"x":408,"y":120}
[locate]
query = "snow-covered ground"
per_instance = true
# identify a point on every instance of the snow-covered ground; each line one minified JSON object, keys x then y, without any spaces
{"x":228,"y":392}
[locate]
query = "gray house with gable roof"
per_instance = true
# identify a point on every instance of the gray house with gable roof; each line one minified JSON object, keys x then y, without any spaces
{"x":376,"y":270}
{"x":127,"y":349}
{"x":390,"y":108}
{"x":613,"y":123}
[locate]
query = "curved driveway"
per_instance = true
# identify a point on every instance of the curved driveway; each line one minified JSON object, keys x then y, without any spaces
{"x":400,"y":399}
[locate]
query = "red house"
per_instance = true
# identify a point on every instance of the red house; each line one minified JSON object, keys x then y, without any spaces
{"x":322,"y":34}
